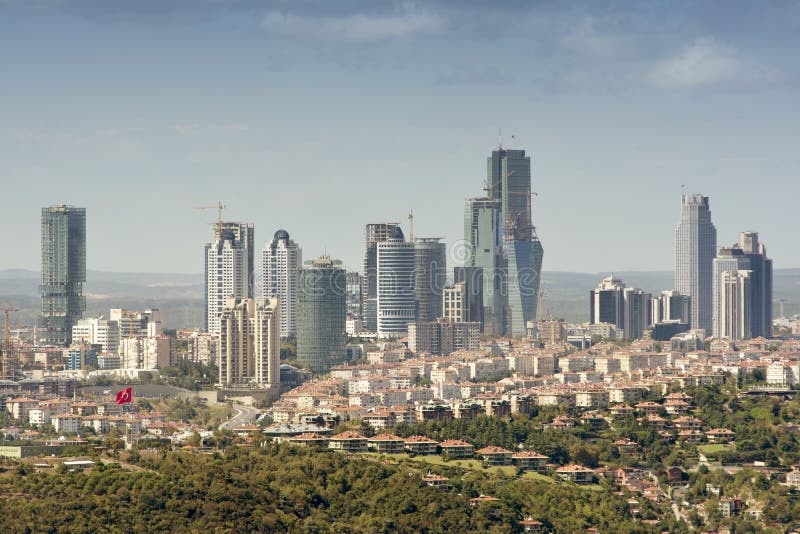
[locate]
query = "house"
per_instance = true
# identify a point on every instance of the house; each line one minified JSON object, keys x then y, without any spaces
{"x":675,"y":475}
{"x":348,"y":441}
{"x":454,"y":448}
{"x":690,"y":436}
{"x":793,"y":477}
{"x":241,"y":430}
{"x":676,"y":407}
{"x":529,"y":460}
{"x":421,"y":445}
{"x":592,"y":419}
{"x":655,"y":422}
{"x":436,"y":481}
{"x":649,"y":407}
{"x":625,"y":446}
{"x":720,"y":435}
{"x":496,"y":455}
{"x":576,"y":474}
{"x":687,"y":423}
{"x":387,"y":444}
{"x":730,"y":507}
{"x":620,"y":410}
{"x":531,"y":525}
{"x":477,"y":501}
{"x":309,"y":439}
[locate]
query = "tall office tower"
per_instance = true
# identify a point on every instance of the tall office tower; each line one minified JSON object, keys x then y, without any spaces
{"x":635,"y":318}
{"x":374,"y":234}
{"x":695,"y":249}
{"x":249,"y":342}
{"x":483,"y":233}
{"x":228,"y":263}
{"x":735,"y":304}
{"x":607,"y":302}
{"x":353,"y":299}
{"x":728,"y":259}
{"x":321,"y":314}
{"x":748,"y":254}
{"x":509,"y":180}
{"x":472,"y":278}
{"x":760,"y":284}
{"x":63,"y":273}
{"x":430,"y":277}
{"x":455,"y":304}
{"x":280,"y":265}
{"x":671,"y":306}
{"x":396,"y":305}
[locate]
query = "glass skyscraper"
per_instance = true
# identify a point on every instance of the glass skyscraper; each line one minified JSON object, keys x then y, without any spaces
{"x":63,"y":273}
{"x":321,"y":314}
{"x":695,"y":250}
{"x":430,"y":276}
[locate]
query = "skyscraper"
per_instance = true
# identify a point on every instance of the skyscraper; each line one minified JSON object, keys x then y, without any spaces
{"x":472,"y":278}
{"x":280,"y":265}
{"x":509,"y":181}
{"x":63,"y":273}
{"x":735,"y":304}
{"x":483,"y":233}
{"x":396,"y":307}
{"x":625,"y":307}
{"x":249,"y":342}
{"x":430,"y":276}
{"x":374,"y":233}
{"x":746,"y":255}
{"x":321,"y":314}
{"x":228,"y":269}
{"x":671,"y":306}
{"x":695,"y":249}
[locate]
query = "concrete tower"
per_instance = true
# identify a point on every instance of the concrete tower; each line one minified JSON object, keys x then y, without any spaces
{"x":695,"y":249}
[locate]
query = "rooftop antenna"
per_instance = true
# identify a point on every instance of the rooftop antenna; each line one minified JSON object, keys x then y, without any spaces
{"x":411,"y":226}
{"x":500,"y":139}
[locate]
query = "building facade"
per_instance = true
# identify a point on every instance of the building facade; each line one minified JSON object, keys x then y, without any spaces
{"x":249,"y":343}
{"x":430,"y":277}
{"x":280,"y":266}
{"x":228,"y":269}
{"x":396,"y":290}
{"x":695,"y":249}
{"x":483,"y":234}
{"x":63,"y":274}
{"x":321,"y":314}
{"x":374,"y":233}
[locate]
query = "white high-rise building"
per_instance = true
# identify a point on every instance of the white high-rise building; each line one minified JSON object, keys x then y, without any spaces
{"x":729,"y":259}
{"x":97,"y":331}
{"x":249,"y":342}
{"x":735,"y":304}
{"x":280,"y":264}
{"x":228,"y":269}
{"x":395,"y":284}
{"x":695,"y":249}
{"x":455,"y":305}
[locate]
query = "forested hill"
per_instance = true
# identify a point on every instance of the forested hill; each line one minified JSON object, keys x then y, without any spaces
{"x":286,"y":489}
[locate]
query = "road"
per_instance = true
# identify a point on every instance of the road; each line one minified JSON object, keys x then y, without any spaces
{"x":243,"y":415}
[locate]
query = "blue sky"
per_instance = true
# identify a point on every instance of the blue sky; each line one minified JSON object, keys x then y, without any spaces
{"x":320,"y":116}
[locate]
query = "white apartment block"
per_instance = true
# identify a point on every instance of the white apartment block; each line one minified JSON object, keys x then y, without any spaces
{"x":249,"y":342}
{"x":145,"y":352}
{"x":227,"y":276}
{"x":783,"y":374}
{"x":454,"y":303}
{"x":97,"y":331}
{"x":281,"y":261}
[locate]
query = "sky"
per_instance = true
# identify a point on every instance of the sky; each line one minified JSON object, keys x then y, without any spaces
{"x":319,"y":117}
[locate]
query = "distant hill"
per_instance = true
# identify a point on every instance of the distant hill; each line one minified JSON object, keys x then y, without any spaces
{"x":180,"y":296}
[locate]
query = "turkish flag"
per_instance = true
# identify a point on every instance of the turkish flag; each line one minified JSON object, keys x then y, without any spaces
{"x":126,"y":395}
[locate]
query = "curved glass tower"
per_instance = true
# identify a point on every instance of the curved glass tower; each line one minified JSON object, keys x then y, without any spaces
{"x":395,"y":285}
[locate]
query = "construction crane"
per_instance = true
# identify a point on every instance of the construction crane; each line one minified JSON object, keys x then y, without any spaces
{"x":219,"y":207}
{"x":411,"y":226}
{"x":9,"y":356}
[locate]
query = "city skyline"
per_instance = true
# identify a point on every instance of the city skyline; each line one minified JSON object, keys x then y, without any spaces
{"x":678,"y":96}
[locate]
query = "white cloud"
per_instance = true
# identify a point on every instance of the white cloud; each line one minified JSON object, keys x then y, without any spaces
{"x":706,"y":62}
{"x":354,"y":28}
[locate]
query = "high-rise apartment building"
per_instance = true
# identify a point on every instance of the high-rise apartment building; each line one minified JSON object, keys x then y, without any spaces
{"x":735,"y":305}
{"x":729,"y":259}
{"x":321,"y":314}
{"x":695,"y":249}
{"x":228,"y":269}
{"x":63,"y":273}
{"x":280,"y":266}
{"x":455,"y":304}
{"x":354,"y":301}
{"x":97,"y":331}
{"x":249,"y":342}
{"x":374,"y":233}
{"x":430,"y":277}
{"x":396,"y":298}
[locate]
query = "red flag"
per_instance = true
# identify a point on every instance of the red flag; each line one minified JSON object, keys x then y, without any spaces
{"x":126,"y":395}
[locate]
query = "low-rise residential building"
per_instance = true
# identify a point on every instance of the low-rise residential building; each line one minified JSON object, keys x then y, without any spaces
{"x":454,"y":449}
{"x":576,"y":474}
{"x":348,"y":441}
{"x":421,"y":445}
{"x":492,"y":455}
{"x":529,"y":460}
{"x":387,"y":444}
